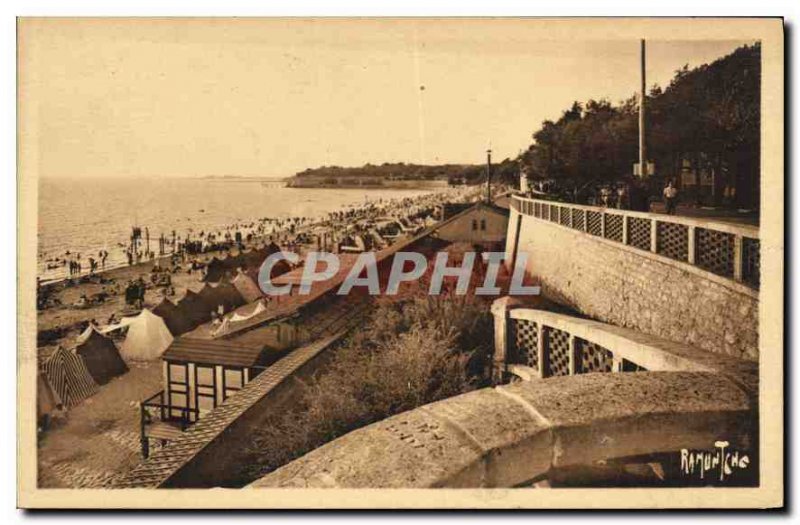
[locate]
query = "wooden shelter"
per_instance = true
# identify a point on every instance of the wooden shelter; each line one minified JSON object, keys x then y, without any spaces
{"x":199,"y":374}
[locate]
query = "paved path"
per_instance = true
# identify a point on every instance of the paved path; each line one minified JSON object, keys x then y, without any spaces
{"x":716,"y":214}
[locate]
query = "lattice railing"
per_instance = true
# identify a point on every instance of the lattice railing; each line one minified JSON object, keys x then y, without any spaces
{"x":564,"y":218}
{"x":595,"y":223}
{"x":552,"y":212}
{"x":639,"y":232}
{"x":673,"y":240}
{"x":751,"y":262}
{"x":594,"y":358}
{"x":714,"y":251}
{"x":526,"y":343}
{"x":535,"y":344}
{"x":557,"y":350}
{"x":725,"y":249}
{"x":578,"y":220}
{"x":614,"y":227}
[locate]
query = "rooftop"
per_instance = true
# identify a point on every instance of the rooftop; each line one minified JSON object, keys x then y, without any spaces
{"x":214,"y":352}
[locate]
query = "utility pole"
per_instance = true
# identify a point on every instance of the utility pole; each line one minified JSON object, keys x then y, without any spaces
{"x":489,"y":174}
{"x":642,"y":97}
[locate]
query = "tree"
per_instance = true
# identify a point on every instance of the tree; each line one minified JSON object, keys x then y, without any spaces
{"x":709,"y":115}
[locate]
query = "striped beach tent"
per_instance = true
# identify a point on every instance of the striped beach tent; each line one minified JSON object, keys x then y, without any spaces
{"x":69,"y":377}
{"x":47,"y":401}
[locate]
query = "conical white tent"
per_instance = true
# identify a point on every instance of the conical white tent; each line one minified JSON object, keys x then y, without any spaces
{"x":148,"y":337}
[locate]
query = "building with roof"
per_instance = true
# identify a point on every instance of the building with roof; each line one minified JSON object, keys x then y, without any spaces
{"x":199,"y":374}
{"x":481,"y":223}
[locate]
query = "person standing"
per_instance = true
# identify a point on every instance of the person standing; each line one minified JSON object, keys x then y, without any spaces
{"x":638,"y":197}
{"x":623,"y":197}
{"x":670,"y":197}
{"x":605,"y":196}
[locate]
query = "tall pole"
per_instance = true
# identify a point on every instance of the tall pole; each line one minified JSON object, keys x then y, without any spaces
{"x":489,"y":175}
{"x":642,"y":97}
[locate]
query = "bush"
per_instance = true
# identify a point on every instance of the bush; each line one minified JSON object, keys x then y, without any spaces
{"x":409,"y":354}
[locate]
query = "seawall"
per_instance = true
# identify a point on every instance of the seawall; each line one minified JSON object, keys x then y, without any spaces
{"x":630,"y":287}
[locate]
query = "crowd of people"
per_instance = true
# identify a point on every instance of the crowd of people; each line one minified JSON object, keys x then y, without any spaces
{"x":287,"y":231}
{"x":74,"y":263}
{"x":626,"y":194}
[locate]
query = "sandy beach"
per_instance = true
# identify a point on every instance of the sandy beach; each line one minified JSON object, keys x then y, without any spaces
{"x":109,"y":420}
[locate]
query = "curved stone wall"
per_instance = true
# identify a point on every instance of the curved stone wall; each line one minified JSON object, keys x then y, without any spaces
{"x":509,"y":435}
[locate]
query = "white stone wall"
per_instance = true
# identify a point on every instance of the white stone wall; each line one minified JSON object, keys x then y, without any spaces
{"x":638,"y":290}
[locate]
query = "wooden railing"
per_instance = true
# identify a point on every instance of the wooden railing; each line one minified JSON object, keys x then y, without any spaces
{"x":155,"y":409}
{"x":725,"y":249}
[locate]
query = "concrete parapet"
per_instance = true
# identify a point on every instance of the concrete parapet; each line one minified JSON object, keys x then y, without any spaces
{"x":506,"y":436}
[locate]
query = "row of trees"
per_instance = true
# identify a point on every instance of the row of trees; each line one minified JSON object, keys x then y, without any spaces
{"x":707,"y":120}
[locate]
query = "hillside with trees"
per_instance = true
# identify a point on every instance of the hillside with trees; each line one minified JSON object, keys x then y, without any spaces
{"x":383,"y":173}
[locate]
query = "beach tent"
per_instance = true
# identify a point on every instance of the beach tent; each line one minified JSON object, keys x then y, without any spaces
{"x":47,"y":400}
{"x":100,"y":356}
{"x":237,"y":317}
{"x":192,"y":309}
{"x":148,"y":337}
{"x":234,"y":262}
{"x":247,"y":287}
{"x":207,"y":297}
{"x":223,"y":294}
{"x":255,"y":257}
{"x":376,"y":237}
{"x":228,"y":296}
{"x":175,"y":321}
{"x":164,"y":309}
{"x":252,"y":273}
{"x":266,"y":251}
{"x":279,"y":268}
{"x":69,"y":377}
{"x":215,"y":270}
{"x":352,"y":243}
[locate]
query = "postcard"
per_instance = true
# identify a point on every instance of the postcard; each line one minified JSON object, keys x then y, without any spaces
{"x":400,"y":263}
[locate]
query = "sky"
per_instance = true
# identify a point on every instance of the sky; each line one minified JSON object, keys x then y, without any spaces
{"x":255,"y":97}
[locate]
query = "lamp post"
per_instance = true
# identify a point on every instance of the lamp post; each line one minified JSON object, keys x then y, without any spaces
{"x":489,"y":174}
{"x":642,"y":98}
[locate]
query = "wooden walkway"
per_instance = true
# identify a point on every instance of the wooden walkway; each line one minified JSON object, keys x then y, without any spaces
{"x":163,"y":430}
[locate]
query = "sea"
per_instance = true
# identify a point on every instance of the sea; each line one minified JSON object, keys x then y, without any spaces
{"x":88,"y":215}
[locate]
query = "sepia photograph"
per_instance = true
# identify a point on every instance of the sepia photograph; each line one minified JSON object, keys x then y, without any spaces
{"x":400,"y":262}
